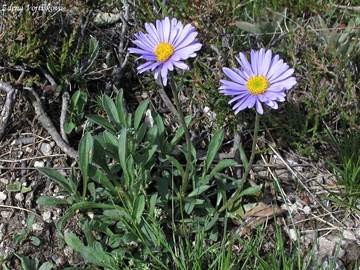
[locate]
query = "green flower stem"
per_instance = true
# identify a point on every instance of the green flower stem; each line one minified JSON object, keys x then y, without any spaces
{"x":185,"y":177}
{"x":229,"y":204}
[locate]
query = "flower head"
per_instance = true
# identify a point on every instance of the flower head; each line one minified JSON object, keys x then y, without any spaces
{"x":165,"y":46}
{"x":265,"y":79}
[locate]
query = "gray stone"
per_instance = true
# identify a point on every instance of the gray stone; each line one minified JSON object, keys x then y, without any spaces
{"x":19,"y":197}
{"x":46,"y":216}
{"x":6,"y":214}
{"x":3,"y":196}
{"x":37,"y":227}
{"x":39,"y":164}
{"x":45,"y":149}
{"x":4,"y":181}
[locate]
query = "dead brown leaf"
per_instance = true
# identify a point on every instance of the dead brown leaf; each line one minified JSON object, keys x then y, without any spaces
{"x":256,"y":216}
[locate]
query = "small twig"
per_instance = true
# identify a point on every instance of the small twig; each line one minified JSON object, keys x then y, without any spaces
{"x":64,"y":108}
{"x":82,"y":31}
{"x":21,"y":77}
{"x":20,"y":208}
{"x":314,"y":217}
{"x":124,"y":26}
{"x":30,"y":158}
{"x":8,"y":106}
{"x":48,"y":125}
{"x":22,"y":141}
{"x":36,"y":168}
{"x":357,"y":8}
{"x":49,"y":77}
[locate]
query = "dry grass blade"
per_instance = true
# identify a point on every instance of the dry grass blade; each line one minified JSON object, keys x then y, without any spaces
{"x":301,"y":182}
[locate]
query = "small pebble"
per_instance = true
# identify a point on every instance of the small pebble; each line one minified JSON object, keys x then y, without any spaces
{"x":91,"y":215}
{"x":20,"y":154}
{"x":46,"y":216}
{"x":307,"y":210}
{"x":68,"y":252}
{"x":57,"y":260}
{"x":293,"y":235}
{"x":3,"y":196}
{"x":52,"y":144}
{"x":37,"y":227}
{"x":19,"y":197}
{"x":45,"y":148}
{"x":349,"y":235}
{"x":6,"y":214}
{"x":4,"y":181}
{"x":39,"y":164}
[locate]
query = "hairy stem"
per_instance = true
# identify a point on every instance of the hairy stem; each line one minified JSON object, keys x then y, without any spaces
{"x":236,"y":195}
{"x":185,"y":177}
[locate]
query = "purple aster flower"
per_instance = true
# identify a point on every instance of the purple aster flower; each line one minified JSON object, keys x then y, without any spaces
{"x":264,"y":80}
{"x":165,"y":46}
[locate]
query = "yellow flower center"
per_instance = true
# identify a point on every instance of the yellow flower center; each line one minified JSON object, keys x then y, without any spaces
{"x":257,"y":85}
{"x":163,"y":51}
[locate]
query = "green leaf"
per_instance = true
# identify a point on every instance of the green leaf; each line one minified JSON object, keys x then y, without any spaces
{"x":111,"y":144}
{"x":111,"y":110}
{"x":101,"y":121}
{"x":222,"y":165}
{"x":85,"y":156}
{"x":35,"y":241}
{"x":249,"y":27}
{"x":13,"y":187}
{"x":243,"y":157}
{"x":122,"y":152}
{"x":152,"y":134}
{"x":191,"y":203}
{"x":80,"y":206}
{"x":58,"y":178}
{"x":50,"y":201}
{"x":152,"y":204}
{"x":69,"y":126}
{"x":140,"y":110}
{"x":139,"y":207}
{"x":159,"y":123}
{"x":147,"y":155}
{"x":26,"y":263}
{"x":214,"y":147}
{"x":251,"y":191}
{"x":99,"y":157}
{"x":211,"y":223}
{"x":104,"y":181}
{"x":21,"y":236}
{"x":180,"y":131}
{"x":73,"y":241}
{"x":46,"y":266}
{"x":78,"y":101}
{"x":93,"y":52}
{"x":140,"y":133}
{"x":25,"y":189}
{"x":197,"y":191}
{"x":176,"y":164}
{"x":120,"y":105}
{"x":51,"y":66}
